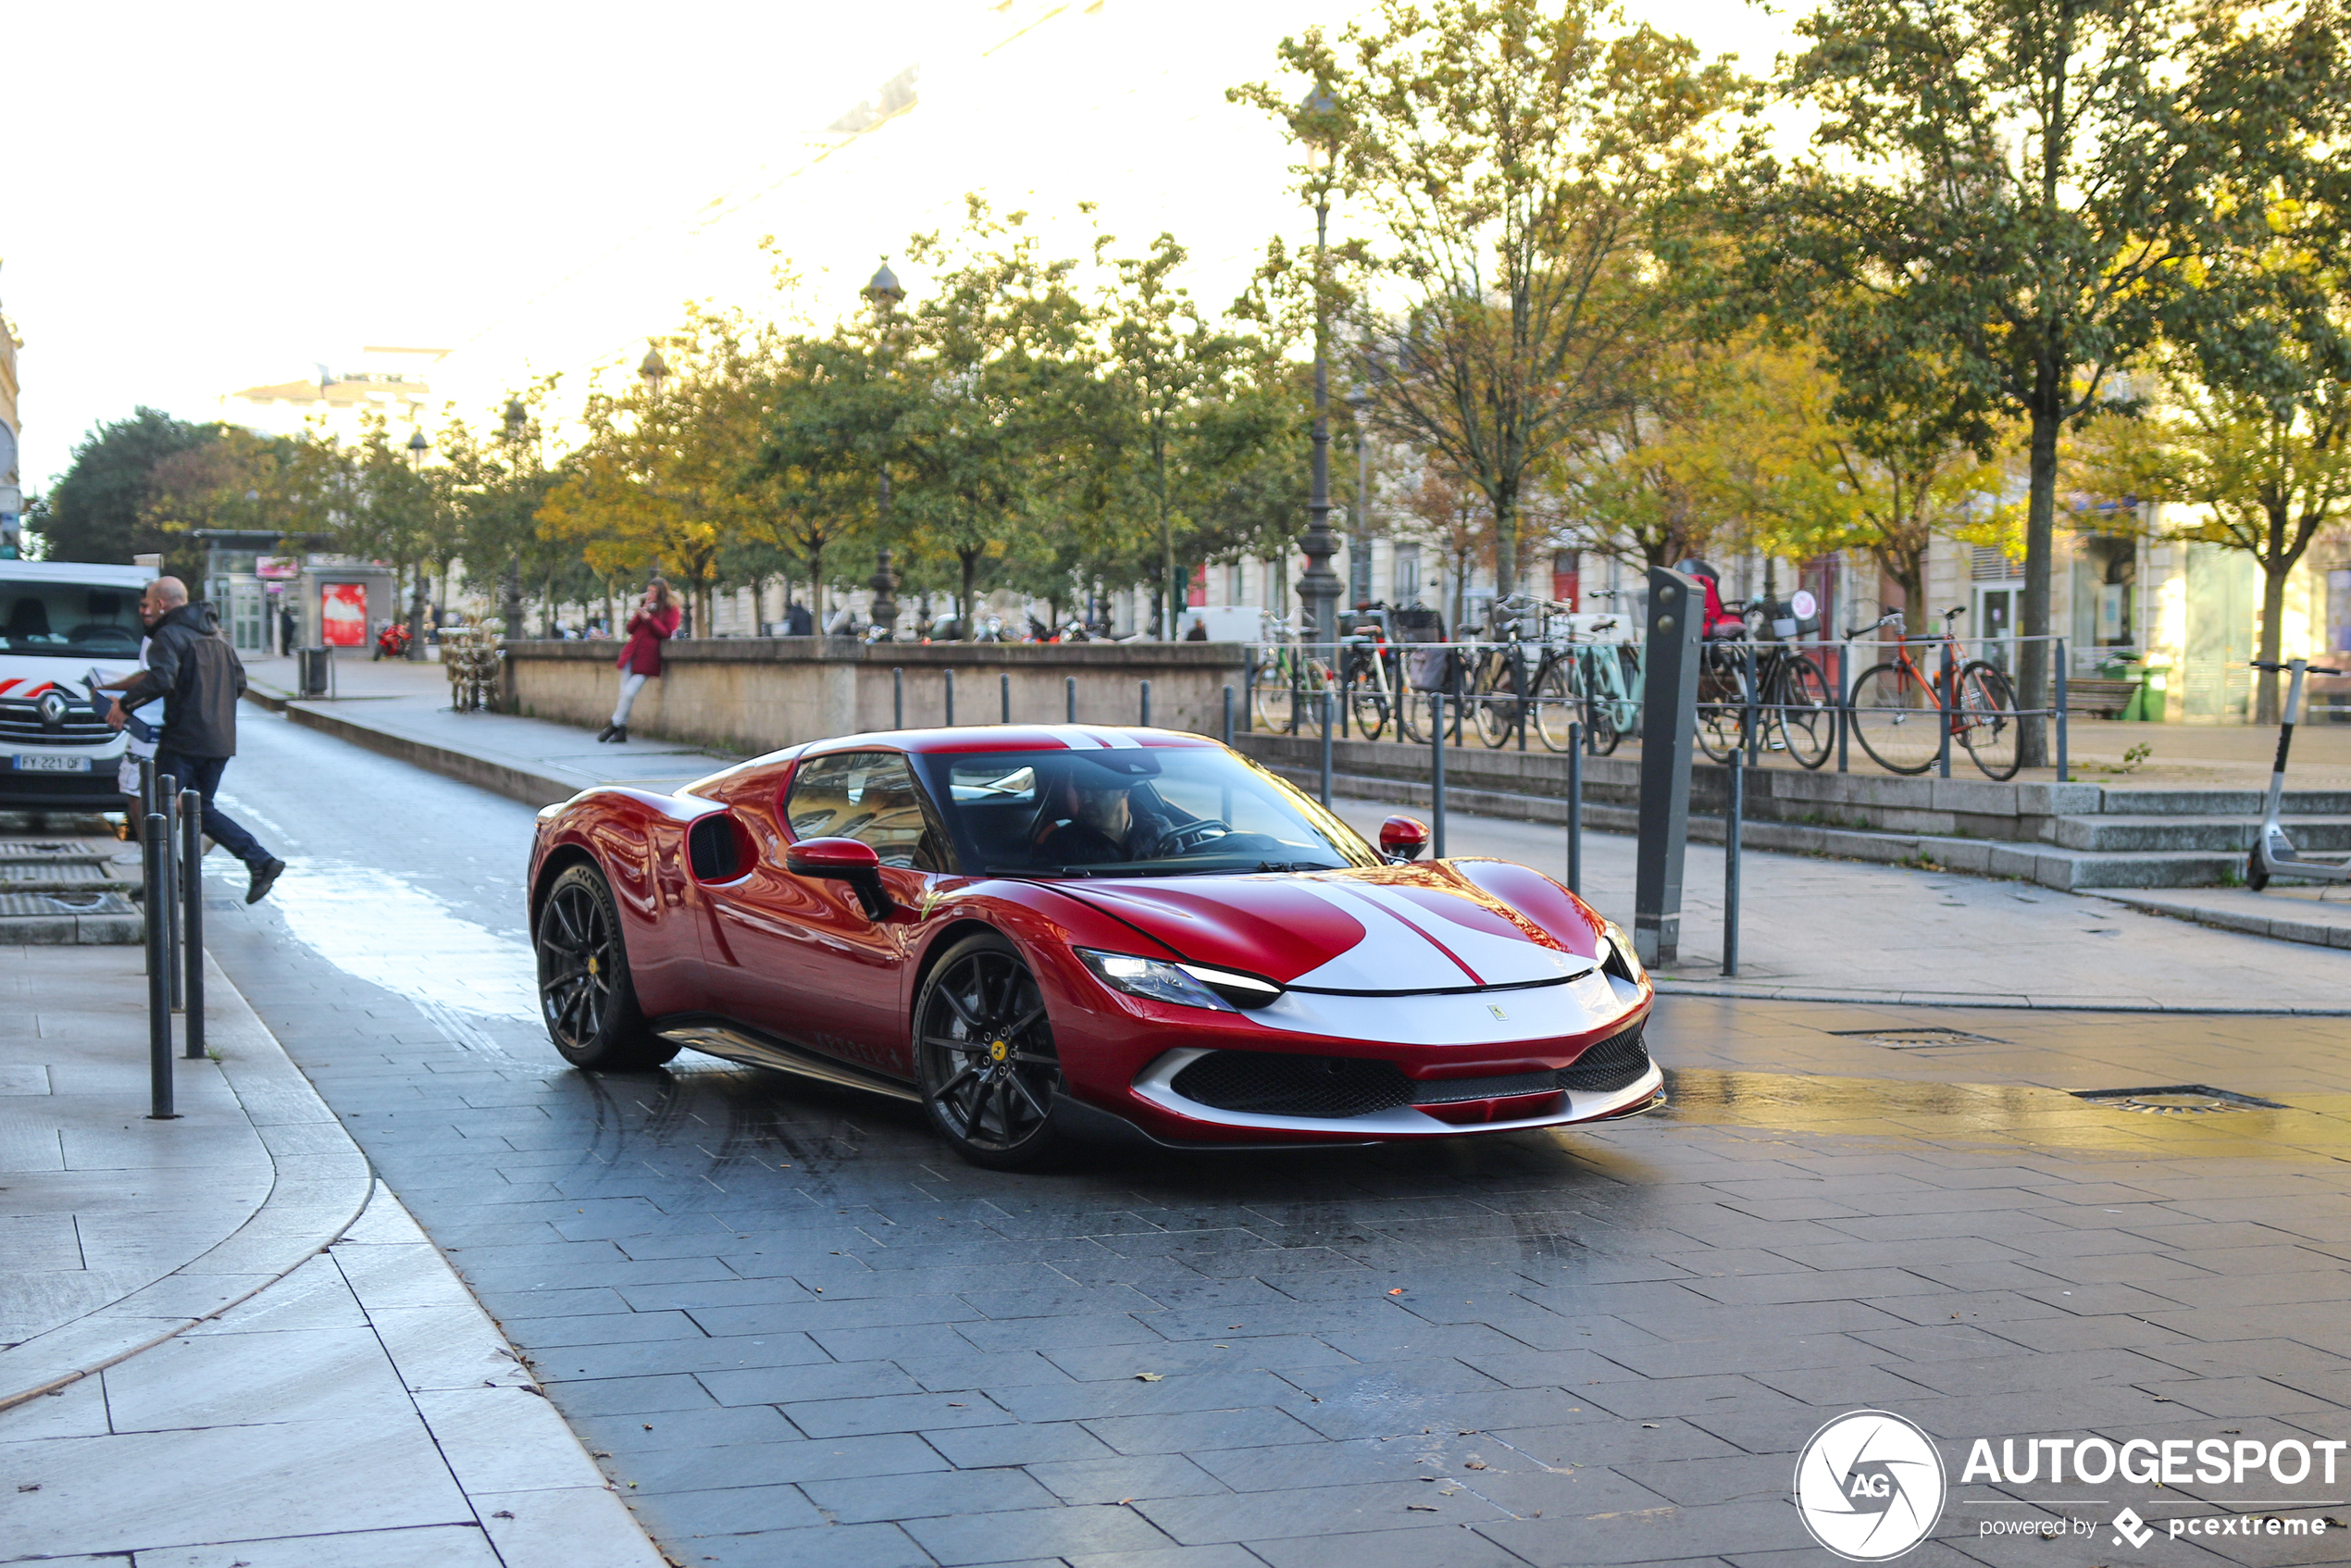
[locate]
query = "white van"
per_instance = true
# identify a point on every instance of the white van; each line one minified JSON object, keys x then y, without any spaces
{"x":60,"y":620}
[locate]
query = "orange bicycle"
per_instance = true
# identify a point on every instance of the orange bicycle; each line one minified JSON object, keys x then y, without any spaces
{"x":1899,"y":716}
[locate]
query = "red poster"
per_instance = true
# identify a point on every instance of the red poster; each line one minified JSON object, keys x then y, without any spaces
{"x":342,"y":615}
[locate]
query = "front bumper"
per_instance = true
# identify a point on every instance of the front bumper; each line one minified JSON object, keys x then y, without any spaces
{"x":1566,"y":1106}
{"x":30,"y":790}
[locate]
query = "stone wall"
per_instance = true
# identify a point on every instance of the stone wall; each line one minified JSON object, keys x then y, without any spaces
{"x":755,"y":694}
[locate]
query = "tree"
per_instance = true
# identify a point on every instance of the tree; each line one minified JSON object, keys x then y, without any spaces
{"x":1518,"y":161}
{"x":101,"y":508}
{"x":2017,"y":189}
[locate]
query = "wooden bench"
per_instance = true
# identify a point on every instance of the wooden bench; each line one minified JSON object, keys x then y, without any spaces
{"x":2099,"y":697}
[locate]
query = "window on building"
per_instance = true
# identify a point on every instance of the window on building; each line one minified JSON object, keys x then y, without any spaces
{"x":1407,"y":588}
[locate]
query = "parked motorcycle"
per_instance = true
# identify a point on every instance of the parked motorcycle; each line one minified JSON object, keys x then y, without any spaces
{"x":392,"y":643}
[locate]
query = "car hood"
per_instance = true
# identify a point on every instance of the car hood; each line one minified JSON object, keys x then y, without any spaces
{"x":25,"y":676}
{"x":1392,"y":929}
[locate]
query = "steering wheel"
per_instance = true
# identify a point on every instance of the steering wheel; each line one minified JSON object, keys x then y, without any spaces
{"x":1191,"y":835}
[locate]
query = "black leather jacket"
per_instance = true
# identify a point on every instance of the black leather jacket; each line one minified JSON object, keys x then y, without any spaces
{"x":190,"y":663}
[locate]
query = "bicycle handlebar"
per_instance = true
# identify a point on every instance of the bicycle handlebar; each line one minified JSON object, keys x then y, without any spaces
{"x":2307,"y":669}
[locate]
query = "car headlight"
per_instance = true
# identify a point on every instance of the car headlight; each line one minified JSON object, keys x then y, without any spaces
{"x":1617,"y":956}
{"x":1186,"y":985}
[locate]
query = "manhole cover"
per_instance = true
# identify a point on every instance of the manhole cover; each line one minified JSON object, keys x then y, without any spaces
{"x":2175,"y":1099}
{"x":1916,"y":1039}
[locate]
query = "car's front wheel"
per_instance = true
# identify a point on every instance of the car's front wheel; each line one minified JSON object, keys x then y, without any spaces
{"x":983,"y":1050}
{"x":585,"y":996}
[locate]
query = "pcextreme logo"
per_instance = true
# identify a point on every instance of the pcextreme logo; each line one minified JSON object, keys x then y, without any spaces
{"x":1868,"y":1485}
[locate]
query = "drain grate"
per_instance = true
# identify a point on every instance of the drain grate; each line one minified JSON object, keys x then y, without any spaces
{"x":1916,"y":1040}
{"x":64,"y":904}
{"x":2176,"y":1100}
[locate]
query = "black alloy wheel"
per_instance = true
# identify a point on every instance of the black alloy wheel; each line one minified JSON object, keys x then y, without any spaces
{"x":585,"y":996}
{"x":984,"y":1052}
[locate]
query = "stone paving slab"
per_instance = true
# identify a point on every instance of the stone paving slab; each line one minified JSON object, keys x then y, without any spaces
{"x":127,"y":1229}
{"x":2284,"y":912}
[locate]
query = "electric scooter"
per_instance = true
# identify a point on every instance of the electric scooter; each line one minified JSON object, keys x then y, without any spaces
{"x":2273,"y":852}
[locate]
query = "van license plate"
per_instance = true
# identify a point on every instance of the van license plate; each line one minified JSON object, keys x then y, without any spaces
{"x":51,"y":762}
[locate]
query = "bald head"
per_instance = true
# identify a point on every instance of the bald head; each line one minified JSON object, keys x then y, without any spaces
{"x":163,"y":596}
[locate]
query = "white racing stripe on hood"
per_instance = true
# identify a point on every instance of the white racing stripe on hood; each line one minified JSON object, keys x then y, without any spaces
{"x":1405,"y":945}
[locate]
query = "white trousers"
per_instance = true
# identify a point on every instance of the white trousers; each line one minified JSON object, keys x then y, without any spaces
{"x":630,"y":684}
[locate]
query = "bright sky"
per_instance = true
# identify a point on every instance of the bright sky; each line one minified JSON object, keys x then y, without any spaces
{"x":203,"y":199}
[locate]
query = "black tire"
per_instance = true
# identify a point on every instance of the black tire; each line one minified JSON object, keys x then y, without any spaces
{"x":1988,"y":721}
{"x":1897,"y":719}
{"x":1497,"y":688}
{"x":1807,"y":712}
{"x":1559,"y":702}
{"x":585,"y":996}
{"x":1367,"y":698}
{"x":1722,"y":701}
{"x":984,"y":1054}
{"x":2255,"y":876}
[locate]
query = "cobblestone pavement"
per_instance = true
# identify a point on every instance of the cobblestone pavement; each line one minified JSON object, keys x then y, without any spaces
{"x":797,"y":1332}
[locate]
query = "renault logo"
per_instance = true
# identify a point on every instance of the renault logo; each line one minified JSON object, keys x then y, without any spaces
{"x":52,"y":708}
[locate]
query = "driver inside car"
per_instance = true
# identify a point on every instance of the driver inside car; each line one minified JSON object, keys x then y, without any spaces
{"x":1106,"y":824}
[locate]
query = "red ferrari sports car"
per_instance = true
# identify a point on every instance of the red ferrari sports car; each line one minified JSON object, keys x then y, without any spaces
{"x":1039,"y":933}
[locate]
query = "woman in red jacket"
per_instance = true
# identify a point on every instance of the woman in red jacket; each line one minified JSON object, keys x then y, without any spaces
{"x":652,"y":624}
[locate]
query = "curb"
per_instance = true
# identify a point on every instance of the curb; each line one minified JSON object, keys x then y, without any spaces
{"x":314,"y":1197}
{"x":500,"y":778}
{"x":2309,"y":933}
{"x":1984,"y":1004}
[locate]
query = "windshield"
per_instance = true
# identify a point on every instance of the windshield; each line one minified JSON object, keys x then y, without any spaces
{"x":1133,"y":811}
{"x":69,"y":619}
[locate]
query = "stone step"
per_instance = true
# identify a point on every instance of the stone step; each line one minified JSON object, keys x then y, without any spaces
{"x":2051,"y":865}
{"x":2125,"y":800}
{"x":2322,"y":834}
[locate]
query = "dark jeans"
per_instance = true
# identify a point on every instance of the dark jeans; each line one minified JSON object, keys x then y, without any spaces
{"x":202,"y":774}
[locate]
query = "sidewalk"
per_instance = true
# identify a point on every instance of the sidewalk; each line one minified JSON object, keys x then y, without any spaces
{"x":1814,"y":929}
{"x":221,"y":1340}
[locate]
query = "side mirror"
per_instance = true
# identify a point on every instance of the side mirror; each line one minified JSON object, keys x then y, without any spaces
{"x":843,"y":860}
{"x":1403,"y":839}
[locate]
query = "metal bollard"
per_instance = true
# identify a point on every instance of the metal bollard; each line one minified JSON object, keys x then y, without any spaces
{"x":2065,"y":773}
{"x":1227,"y":733}
{"x":1753,"y":718}
{"x":1004,"y":697}
{"x":1249,"y":684}
{"x":147,"y":803}
{"x":898,"y":699}
{"x":1069,"y":696}
{"x":1326,"y":796}
{"x":156,"y":842}
{"x":1950,"y":707}
{"x":168,"y":806}
{"x":1574,"y":807}
{"x":951,"y":697}
{"x":1731,"y":814}
{"x":1436,"y":775}
{"x":1844,"y":702}
{"x":1147,"y":703}
{"x":192,"y":920}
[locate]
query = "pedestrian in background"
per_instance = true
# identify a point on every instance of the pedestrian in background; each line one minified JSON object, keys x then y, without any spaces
{"x":653,"y":623}
{"x":191,"y":668}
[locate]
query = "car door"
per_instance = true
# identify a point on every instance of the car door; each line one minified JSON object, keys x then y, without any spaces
{"x":806,"y":965}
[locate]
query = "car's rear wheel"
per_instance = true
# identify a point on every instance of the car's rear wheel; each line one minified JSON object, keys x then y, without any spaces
{"x":983,"y":1050}
{"x":585,"y":996}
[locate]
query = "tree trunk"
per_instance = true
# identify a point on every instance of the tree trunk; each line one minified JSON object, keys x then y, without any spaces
{"x":2275,"y":569}
{"x":2040,"y":547}
{"x":969,"y":608}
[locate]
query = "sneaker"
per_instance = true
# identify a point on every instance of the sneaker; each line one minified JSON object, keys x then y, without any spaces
{"x":620,"y":734}
{"x":265,"y":875}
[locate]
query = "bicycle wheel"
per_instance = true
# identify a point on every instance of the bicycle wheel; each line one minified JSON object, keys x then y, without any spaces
{"x":1368,"y":700}
{"x":1804,"y":712}
{"x":1559,"y":702}
{"x":1986,"y":720}
{"x":1269,"y":697}
{"x":1722,"y":701}
{"x":1317,"y":681}
{"x":1897,"y":718}
{"x":1498,"y":690}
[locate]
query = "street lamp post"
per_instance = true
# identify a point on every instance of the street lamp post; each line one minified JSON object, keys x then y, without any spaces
{"x":517,"y":423}
{"x":884,"y":293}
{"x":1358,"y":554}
{"x":1318,"y":585}
{"x":417,"y":447}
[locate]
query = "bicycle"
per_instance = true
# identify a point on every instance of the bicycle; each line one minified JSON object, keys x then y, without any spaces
{"x":1285,"y":696}
{"x":1368,"y":683}
{"x":1786,"y":690}
{"x":1898,"y":713}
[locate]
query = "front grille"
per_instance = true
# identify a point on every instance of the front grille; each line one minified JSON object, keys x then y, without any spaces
{"x":1614,"y":1063}
{"x":1334,"y":1087}
{"x":1323,"y":1087}
{"x":21,"y":721}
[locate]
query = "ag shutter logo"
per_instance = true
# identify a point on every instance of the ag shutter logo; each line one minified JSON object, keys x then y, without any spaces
{"x":1868,"y":1485}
